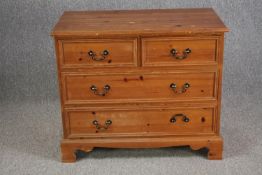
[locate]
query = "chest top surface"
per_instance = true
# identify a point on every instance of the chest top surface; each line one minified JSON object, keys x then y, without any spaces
{"x":138,"y":22}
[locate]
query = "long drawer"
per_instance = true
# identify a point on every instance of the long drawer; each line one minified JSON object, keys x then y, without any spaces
{"x":81,"y":123}
{"x":81,"y":88}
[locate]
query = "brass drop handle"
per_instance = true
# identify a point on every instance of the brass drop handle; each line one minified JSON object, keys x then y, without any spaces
{"x":94,"y":57}
{"x":184,"y":118}
{"x":102,"y":127}
{"x":174,"y":53}
{"x":103,"y":93}
{"x":173,"y":86}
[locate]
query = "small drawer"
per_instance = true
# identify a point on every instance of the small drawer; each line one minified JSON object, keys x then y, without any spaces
{"x":81,"y":88}
{"x":99,"y":52}
{"x":140,"y":122}
{"x":178,"y":51}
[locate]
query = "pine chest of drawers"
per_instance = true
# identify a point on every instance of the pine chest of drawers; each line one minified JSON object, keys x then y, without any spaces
{"x":140,"y":79}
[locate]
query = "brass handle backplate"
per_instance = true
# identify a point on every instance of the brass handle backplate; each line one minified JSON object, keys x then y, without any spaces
{"x":94,"y":57}
{"x":103,"y":93}
{"x":184,"y":118}
{"x":174,"y":53}
{"x":102,"y":127}
{"x":173,"y":86}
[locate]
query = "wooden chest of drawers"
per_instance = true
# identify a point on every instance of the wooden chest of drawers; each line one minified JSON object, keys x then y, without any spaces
{"x":140,"y":79}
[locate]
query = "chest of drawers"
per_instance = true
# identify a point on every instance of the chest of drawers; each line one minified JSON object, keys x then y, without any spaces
{"x":140,"y":79}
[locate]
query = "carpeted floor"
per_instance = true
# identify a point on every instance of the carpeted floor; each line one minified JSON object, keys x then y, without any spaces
{"x":30,"y":130}
{"x":30,"y":134}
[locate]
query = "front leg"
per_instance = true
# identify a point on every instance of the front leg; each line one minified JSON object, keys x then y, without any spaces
{"x":68,"y":151}
{"x":215,"y":148}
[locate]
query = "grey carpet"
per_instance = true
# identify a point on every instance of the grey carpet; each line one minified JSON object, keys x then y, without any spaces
{"x":30,"y":125}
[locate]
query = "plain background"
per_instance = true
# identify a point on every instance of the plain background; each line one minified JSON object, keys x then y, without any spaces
{"x":30,"y":123}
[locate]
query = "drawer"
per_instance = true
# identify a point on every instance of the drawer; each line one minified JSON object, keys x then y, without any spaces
{"x":140,"y":122}
{"x":99,"y":52}
{"x":80,"y":88}
{"x":178,"y":51}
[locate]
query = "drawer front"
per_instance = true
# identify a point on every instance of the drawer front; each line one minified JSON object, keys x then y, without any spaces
{"x":174,"y":51}
{"x":143,"y":122}
{"x":175,"y":86}
{"x":99,"y":52}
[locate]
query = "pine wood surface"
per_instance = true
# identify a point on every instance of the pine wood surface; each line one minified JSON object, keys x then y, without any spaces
{"x":150,"y":122}
{"x":142,"y":86}
{"x":139,"y":68}
{"x":97,"y":23}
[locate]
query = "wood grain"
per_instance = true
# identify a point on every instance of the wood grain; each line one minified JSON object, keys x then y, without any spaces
{"x":156,"y":51}
{"x":139,"y":70}
{"x":140,"y":122}
{"x":122,"y":52}
{"x":77,"y":87}
{"x":213,"y":143}
{"x":139,"y":22}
